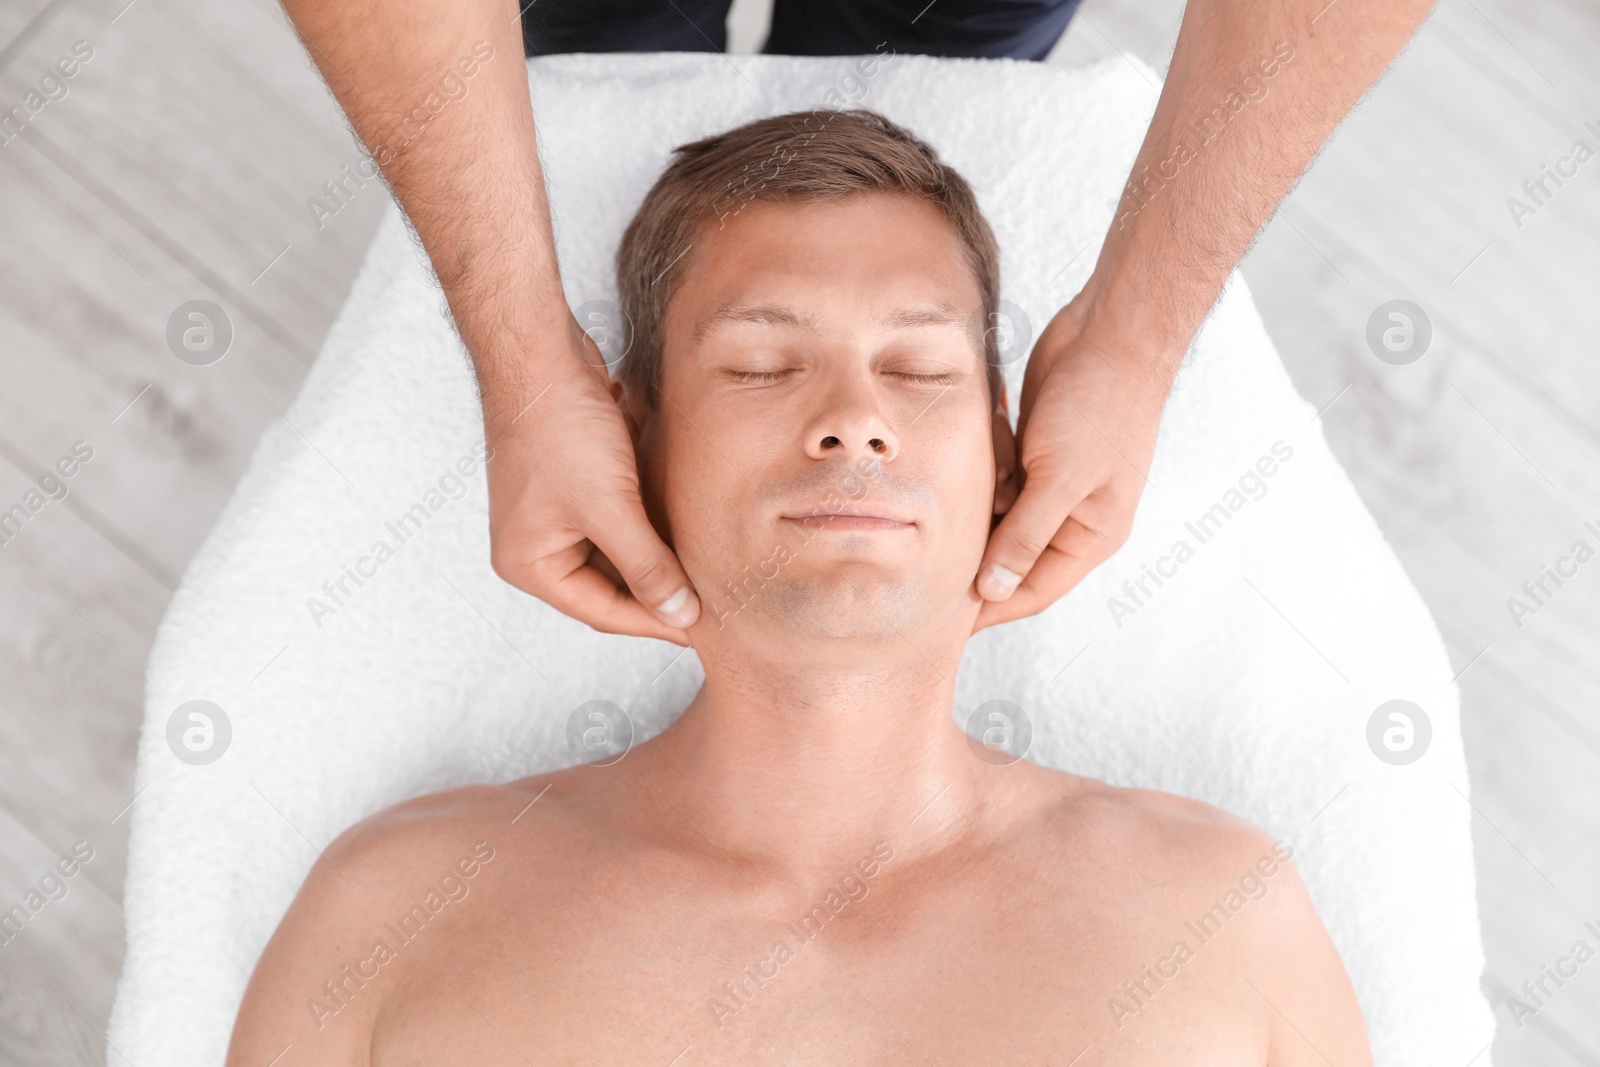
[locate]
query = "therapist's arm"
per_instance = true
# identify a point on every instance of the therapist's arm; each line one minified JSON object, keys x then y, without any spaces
{"x":1101,"y":370}
{"x":458,"y":151}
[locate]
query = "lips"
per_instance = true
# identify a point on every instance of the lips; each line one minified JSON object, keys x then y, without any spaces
{"x":854,"y":515}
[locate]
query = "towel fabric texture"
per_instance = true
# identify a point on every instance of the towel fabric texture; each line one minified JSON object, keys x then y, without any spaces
{"x":1235,"y":650}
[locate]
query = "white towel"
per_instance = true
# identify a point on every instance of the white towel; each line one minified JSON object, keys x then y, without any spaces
{"x":1246,"y":679}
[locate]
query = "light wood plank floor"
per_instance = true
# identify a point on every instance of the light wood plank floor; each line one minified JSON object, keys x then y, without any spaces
{"x":178,"y":165}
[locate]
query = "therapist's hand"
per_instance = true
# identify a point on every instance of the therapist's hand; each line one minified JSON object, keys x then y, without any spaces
{"x":566,"y":520}
{"x":1272,"y":79}
{"x":1086,"y":431}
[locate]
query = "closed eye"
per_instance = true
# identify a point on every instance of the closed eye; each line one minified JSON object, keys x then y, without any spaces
{"x":774,"y":375}
{"x":756,"y":375}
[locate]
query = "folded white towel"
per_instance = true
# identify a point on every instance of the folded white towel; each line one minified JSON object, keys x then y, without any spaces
{"x":1245,"y":677}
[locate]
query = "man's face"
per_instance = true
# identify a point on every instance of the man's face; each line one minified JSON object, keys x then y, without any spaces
{"x":820,"y":357}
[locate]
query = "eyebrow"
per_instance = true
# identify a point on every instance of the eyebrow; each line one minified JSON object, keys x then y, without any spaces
{"x":912,"y":316}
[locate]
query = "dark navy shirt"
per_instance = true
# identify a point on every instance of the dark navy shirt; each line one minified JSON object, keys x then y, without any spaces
{"x":1020,"y":29}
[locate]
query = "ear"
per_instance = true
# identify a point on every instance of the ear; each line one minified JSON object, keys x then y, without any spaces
{"x":634,"y":411}
{"x":1006,"y":485}
{"x":638,"y":417}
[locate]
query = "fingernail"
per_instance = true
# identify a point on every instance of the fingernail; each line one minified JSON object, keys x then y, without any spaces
{"x":1000,"y":582}
{"x":673,"y":609}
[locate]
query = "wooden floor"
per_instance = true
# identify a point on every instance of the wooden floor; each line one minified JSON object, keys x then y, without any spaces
{"x":178,"y":165}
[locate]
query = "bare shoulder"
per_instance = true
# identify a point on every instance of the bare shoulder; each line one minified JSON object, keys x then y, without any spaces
{"x":320,"y":979}
{"x":1224,"y":873}
{"x":1175,"y":840}
{"x":1193,"y":854}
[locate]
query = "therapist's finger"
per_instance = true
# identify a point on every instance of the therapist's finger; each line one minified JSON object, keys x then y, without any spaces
{"x":1052,"y":536}
{"x":1029,"y":525}
{"x":624,"y":533}
{"x":580,"y":581}
{"x":1077,"y":550}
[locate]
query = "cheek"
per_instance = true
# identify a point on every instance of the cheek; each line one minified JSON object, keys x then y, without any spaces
{"x":960,"y":468}
{"x":979,"y":516}
{"x":700,"y":498}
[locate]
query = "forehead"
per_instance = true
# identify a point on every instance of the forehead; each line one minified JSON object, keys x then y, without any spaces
{"x":927,"y":313}
{"x":891,"y":259}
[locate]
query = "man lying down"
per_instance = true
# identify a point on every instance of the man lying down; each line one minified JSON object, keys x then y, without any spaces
{"x":813,"y":865}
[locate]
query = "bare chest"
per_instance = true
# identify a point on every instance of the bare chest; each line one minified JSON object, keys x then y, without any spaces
{"x":987,"y":974}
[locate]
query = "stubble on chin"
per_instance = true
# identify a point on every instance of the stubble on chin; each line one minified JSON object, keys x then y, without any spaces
{"x":854,"y":607}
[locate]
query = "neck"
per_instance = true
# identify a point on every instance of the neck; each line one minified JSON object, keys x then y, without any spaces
{"x":797,"y":757}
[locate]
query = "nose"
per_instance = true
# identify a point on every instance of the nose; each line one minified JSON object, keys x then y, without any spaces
{"x":851,"y":425}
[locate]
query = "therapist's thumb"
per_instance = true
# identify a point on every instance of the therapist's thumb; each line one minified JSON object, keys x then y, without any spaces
{"x":648,"y":565}
{"x":1022,"y":536}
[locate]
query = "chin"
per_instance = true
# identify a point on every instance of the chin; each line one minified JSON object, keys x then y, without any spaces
{"x":858,"y":601}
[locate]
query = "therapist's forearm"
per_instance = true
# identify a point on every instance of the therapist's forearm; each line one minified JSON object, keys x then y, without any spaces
{"x":460,"y":157}
{"x":1206,"y":180}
